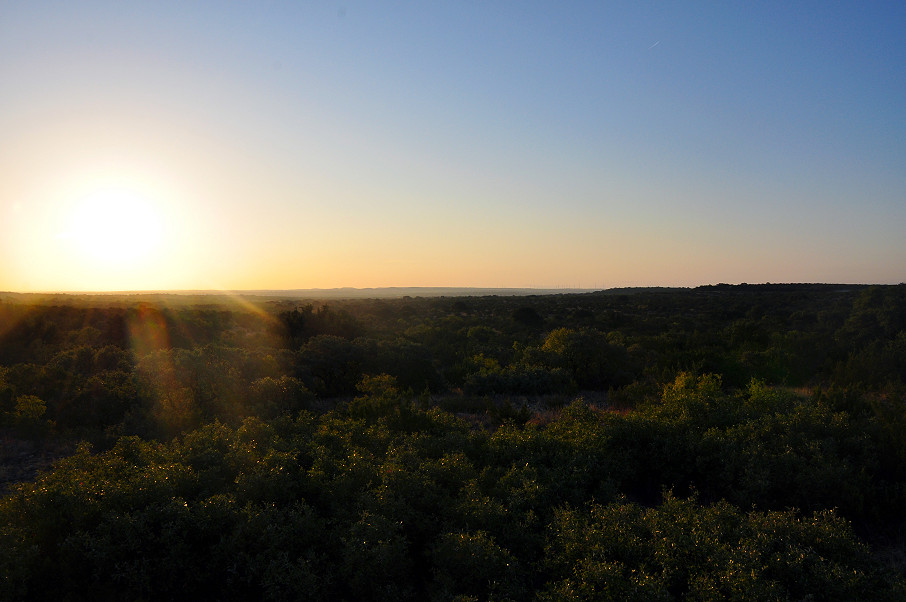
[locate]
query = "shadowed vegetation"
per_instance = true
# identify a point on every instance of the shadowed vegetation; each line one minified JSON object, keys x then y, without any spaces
{"x":721,"y":442}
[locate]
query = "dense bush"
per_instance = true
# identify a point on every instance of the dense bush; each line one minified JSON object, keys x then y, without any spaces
{"x":736,"y":442}
{"x":681,"y":549}
{"x":387,"y":501}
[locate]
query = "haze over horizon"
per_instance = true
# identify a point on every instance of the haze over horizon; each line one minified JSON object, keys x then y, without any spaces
{"x":231,"y":146}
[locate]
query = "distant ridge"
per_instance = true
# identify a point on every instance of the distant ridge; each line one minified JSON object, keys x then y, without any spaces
{"x":389,"y":292}
{"x":407,"y":291}
{"x":182,"y":297}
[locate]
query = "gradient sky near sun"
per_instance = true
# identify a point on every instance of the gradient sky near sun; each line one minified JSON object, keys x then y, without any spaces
{"x":228,"y":145}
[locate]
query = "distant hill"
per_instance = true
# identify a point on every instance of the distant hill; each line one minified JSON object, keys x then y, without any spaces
{"x":215,"y":297}
{"x":410,"y":291}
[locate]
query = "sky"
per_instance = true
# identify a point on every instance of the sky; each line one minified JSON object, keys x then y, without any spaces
{"x":282,"y":145}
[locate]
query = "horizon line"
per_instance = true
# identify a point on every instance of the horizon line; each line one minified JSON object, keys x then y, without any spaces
{"x":341,"y":289}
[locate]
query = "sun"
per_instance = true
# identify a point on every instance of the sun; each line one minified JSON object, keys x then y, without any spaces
{"x":89,"y":231}
{"x":114,"y":227}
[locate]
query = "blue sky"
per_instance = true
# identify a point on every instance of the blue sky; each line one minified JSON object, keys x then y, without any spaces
{"x":293,"y":145}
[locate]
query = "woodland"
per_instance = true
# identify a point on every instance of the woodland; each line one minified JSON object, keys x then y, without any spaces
{"x":742,"y":442}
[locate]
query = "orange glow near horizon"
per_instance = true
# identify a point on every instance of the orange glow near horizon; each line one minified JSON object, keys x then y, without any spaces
{"x":93,"y":232}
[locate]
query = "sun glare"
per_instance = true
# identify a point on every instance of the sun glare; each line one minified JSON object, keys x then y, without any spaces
{"x":86,"y":231}
{"x":114,"y":227}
